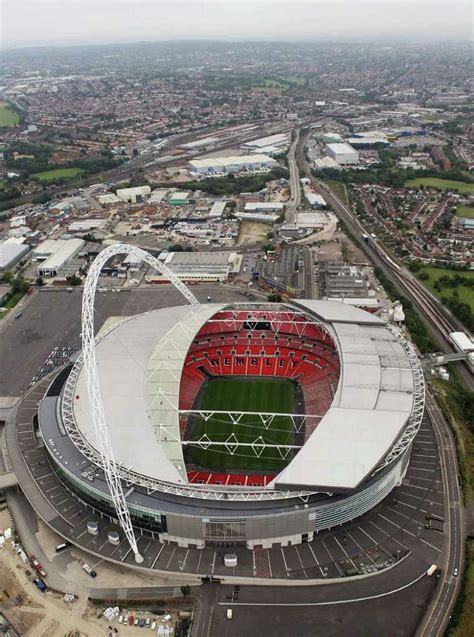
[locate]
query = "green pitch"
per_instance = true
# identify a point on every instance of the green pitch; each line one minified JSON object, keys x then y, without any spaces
{"x":259,"y":395}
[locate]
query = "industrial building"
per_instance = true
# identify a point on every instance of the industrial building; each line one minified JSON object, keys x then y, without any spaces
{"x":133,"y":195}
{"x":263,"y":217}
{"x":219,"y":165}
{"x":344,"y":154}
{"x":57,"y":255}
{"x":284,"y":274}
{"x":11,"y":252}
{"x":331,"y":138}
{"x":179,"y":198}
{"x":217,"y":209}
{"x":314,"y":200}
{"x":321,"y":163}
{"x":264,"y":206}
{"x":86,"y":225}
{"x":345,"y":282}
{"x":199,"y":266}
{"x":271,"y":145}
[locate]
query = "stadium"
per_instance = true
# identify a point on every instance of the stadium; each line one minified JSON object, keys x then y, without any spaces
{"x":242,"y":424}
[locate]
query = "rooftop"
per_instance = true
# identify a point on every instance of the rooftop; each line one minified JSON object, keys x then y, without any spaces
{"x":140,"y":363}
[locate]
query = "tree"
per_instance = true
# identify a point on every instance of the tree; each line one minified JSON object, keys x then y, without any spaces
{"x":7,"y":276}
{"x":185,"y":590}
{"x":74,"y":280}
{"x":40,"y":281}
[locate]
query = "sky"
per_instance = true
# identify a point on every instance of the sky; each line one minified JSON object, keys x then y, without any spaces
{"x":76,"y":22}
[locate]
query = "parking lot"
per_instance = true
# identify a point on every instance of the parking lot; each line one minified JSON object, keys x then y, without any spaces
{"x":52,"y":318}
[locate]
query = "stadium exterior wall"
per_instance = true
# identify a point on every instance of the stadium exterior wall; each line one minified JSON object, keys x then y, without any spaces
{"x":255,"y":531}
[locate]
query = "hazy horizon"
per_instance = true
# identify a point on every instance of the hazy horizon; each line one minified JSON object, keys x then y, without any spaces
{"x":46,"y":23}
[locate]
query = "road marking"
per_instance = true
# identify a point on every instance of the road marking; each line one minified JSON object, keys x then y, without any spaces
{"x":184,"y":561}
{"x":170,"y":558}
{"x":284,"y":560}
{"x":157,"y":556}
{"x":313,"y":554}
{"x":370,"y":537}
{"x":387,"y":534}
{"x":199,"y":561}
{"x":330,"y":603}
{"x":301,"y":561}
{"x":346,"y":553}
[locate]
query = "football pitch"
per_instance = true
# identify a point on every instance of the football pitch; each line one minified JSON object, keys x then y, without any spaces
{"x":258,"y":395}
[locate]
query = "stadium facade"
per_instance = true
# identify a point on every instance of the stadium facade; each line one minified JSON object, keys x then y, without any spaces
{"x":360,"y":400}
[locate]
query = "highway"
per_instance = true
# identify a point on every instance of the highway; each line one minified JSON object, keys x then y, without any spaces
{"x":437,"y":618}
{"x":295,"y":188}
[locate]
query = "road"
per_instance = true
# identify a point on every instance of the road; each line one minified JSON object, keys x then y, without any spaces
{"x":295,"y":188}
{"x":437,"y":618}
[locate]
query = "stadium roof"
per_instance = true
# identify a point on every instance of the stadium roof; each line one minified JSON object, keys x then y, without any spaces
{"x":140,"y":363}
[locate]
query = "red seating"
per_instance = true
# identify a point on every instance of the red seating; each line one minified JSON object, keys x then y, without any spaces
{"x":293,"y":348}
{"x":226,"y":479}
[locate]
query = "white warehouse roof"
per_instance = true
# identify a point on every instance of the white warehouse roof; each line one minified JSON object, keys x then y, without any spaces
{"x":271,"y":140}
{"x":223,"y":162}
{"x":61,"y":251}
{"x":11,"y":251}
{"x":341,"y":149}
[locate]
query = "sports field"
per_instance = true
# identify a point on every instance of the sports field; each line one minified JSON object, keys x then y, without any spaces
{"x":57,"y":173}
{"x":441,"y":184}
{"x":260,"y":395}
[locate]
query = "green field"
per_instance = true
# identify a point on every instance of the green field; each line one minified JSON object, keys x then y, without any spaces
{"x":57,"y":173}
{"x":465,"y":211}
{"x":339,"y":189}
{"x":259,"y":395}
{"x":8,"y":117}
{"x":466,"y":294}
{"x":440,"y":184}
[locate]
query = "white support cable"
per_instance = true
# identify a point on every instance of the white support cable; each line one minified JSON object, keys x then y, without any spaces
{"x":96,"y":405}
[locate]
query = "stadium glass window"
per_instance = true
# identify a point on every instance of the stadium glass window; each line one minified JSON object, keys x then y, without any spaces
{"x":223,"y":530}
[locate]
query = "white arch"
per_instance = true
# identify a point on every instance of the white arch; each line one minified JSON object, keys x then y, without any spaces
{"x":92,"y":377}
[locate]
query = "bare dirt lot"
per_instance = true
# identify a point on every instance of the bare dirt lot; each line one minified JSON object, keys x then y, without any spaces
{"x":252,"y":232}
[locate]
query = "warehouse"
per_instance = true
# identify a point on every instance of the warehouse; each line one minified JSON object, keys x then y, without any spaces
{"x":264,"y":206}
{"x":278,"y":142}
{"x":343,"y":282}
{"x":199,"y":266}
{"x":133,"y":195}
{"x":264,"y":217}
{"x":11,"y":251}
{"x":86,"y":225}
{"x":179,"y":198}
{"x":61,"y":254}
{"x":343,"y":153}
{"x":220,"y":165}
{"x":331,"y":138}
{"x":217,"y":209}
{"x":314,"y":200}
